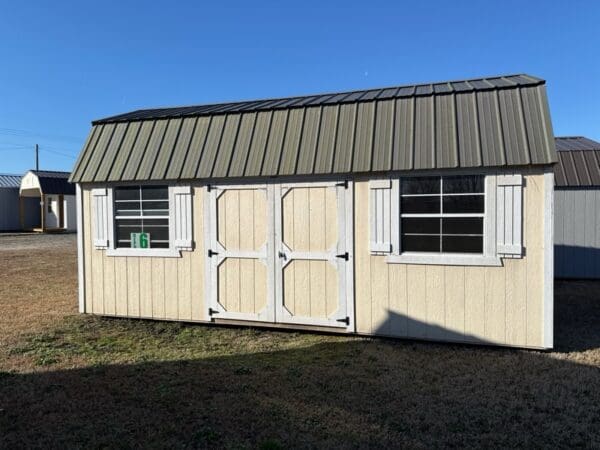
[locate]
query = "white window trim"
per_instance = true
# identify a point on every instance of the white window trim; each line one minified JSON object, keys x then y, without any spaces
{"x":489,"y":256}
{"x":171,"y":252}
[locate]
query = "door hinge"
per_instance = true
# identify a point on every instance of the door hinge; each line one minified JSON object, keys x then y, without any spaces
{"x":212,"y":311}
{"x":211,"y":253}
{"x":343,"y":256}
{"x":346,"y":320}
{"x":208,"y":187}
{"x":343,"y":183}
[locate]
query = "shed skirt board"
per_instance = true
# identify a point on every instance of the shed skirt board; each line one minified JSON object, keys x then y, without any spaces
{"x":280,"y":253}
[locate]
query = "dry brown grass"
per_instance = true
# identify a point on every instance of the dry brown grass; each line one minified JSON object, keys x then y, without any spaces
{"x":38,"y":288}
{"x":80,"y":381}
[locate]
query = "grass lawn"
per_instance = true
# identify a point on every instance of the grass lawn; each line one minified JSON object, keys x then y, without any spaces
{"x":82,"y":381}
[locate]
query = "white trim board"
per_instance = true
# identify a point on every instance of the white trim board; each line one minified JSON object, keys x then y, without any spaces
{"x":80,"y":249}
{"x":548,"y":337}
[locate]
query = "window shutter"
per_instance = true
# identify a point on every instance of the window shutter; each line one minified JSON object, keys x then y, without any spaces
{"x":182,"y":217}
{"x":509,"y":214}
{"x":100,"y":219}
{"x":380,"y":221}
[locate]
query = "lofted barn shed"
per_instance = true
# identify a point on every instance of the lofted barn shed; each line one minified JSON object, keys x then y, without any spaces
{"x":421,"y":211}
{"x":56,"y":199}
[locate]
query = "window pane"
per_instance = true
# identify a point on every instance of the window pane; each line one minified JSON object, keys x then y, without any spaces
{"x":421,"y":185}
{"x":462,"y":225}
{"x":156,"y":222}
{"x":157,"y":233}
{"x":159,"y":244}
{"x":125,"y":227}
{"x":127,"y":209}
{"x":156,"y":208}
{"x":423,"y":226}
{"x":411,"y":243}
{"x":412,"y":205}
{"x":463,"y":204}
{"x":155,"y":192}
{"x":127,"y":193}
{"x":462,"y":244}
{"x":463,"y":184}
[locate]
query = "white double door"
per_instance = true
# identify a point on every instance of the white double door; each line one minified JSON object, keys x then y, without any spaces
{"x":281,"y":253}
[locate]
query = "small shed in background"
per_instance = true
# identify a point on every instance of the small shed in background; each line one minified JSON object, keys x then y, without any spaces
{"x":56,"y":197}
{"x":577,"y":208}
{"x":10,"y":210}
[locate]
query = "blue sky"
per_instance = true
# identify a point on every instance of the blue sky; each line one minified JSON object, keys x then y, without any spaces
{"x":67,"y":63}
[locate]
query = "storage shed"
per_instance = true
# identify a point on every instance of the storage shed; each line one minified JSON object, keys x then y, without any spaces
{"x":421,"y":211}
{"x":577,"y":203}
{"x":56,"y":199}
{"x":15,"y":214}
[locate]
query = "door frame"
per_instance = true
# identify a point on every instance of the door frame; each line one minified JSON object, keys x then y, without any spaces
{"x":216,"y":254}
{"x":345,"y":217}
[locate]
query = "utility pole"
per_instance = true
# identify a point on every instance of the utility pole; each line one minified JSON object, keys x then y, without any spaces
{"x":37,"y":157}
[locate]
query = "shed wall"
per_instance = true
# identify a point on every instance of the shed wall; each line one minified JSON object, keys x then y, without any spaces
{"x":496,"y":305}
{"x":152,"y":288}
{"x":577,"y":233}
{"x":10,"y":219}
{"x":9,"y":209}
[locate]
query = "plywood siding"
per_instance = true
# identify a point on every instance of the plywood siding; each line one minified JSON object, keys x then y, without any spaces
{"x":496,"y":305}
{"x":154,"y":288}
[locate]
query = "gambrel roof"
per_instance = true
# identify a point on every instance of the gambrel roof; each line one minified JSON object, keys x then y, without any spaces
{"x":578,"y":162}
{"x":486,"y":122}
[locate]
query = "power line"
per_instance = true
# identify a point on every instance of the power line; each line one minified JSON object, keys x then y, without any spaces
{"x":28,"y":133}
{"x":58,"y":153}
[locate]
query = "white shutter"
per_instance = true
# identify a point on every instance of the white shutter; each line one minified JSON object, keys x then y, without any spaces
{"x":181,"y":216}
{"x":380,"y":220}
{"x":509,"y":225}
{"x":100,"y":217}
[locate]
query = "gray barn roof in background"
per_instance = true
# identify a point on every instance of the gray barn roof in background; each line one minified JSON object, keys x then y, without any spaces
{"x":10,"y":181}
{"x":500,"y":121}
{"x":578,"y":162}
{"x":567,"y":143}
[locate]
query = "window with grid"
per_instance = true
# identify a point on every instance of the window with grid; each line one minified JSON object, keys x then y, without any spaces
{"x":142,"y":209}
{"x":442,"y":214}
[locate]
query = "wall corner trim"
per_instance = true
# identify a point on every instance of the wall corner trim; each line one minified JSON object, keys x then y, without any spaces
{"x":80,"y":255}
{"x":548,"y":330}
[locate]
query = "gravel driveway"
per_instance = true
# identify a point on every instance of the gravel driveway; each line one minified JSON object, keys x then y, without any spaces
{"x":25,"y":241}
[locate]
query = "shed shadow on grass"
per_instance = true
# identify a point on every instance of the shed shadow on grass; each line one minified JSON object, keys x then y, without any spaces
{"x":348,"y":393}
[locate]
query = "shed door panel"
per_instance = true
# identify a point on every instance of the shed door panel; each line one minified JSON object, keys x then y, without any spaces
{"x":241,"y":244}
{"x":311,"y":251}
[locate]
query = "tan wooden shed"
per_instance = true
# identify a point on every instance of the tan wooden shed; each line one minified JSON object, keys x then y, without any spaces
{"x":420,"y":211}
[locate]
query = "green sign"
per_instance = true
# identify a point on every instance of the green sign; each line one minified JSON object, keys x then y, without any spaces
{"x":140,"y":240}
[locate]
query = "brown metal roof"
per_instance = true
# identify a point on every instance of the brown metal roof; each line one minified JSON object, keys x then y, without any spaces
{"x":578,"y":162}
{"x":500,"y":121}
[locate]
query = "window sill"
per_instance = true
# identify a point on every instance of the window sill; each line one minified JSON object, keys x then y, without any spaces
{"x":444,"y":260}
{"x":149,"y":252}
